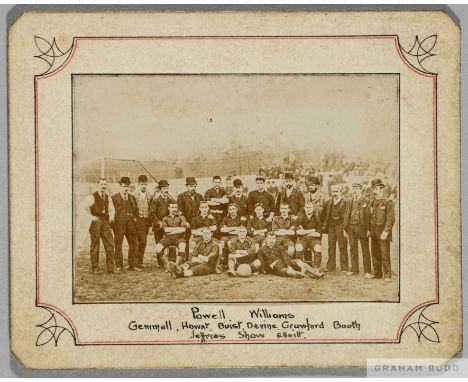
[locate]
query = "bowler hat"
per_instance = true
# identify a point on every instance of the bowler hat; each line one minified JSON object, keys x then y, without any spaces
{"x":142,"y":178}
{"x":377,"y":183}
{"x":356,"y":184}
{"x":288,"y":175}
{"x":313,"y":180}
{"x":190,"y":181}
{"x":237,"y":183}
{"x":125,"y":180}
{"x":163,"y":183}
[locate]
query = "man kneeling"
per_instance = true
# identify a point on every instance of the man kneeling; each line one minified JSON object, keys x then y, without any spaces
{"x":203,"y":261}
{"x":276,"y":261}
{"x":242,"y":250}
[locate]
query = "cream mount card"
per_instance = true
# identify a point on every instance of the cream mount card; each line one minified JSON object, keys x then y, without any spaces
{"x":359,"y":259}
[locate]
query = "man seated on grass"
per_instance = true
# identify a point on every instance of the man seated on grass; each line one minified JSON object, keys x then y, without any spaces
{"x":174,"y":227}
{"x":205,"y":219}
{"x":203,"y":261}
{"x":276,"y":261}
{"x":258,"y":226}
{"x":283,"y":228}
{"x":242,"y":250}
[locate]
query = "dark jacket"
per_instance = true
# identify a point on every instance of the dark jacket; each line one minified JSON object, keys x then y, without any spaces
{"x":326,"y":212}
{"x":117,"y":200}
{"x":189,"y":207}
{"x":295,"y":201}
{"x":264,"y":198}
{"x":159,"y":208}
{"x":363,"y":205}
{"x":381,"y":216}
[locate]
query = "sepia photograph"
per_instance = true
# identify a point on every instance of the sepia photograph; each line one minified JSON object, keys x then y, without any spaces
{"x":235,"y":187}
{"x":203,"y":182}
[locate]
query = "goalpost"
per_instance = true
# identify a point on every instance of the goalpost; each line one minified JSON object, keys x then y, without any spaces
{"x":113,"y":169}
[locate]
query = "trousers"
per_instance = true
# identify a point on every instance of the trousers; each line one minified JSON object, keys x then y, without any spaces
{"x":125,"y":229}
{"x":101,"y":230}
{"x":358,"y":234}
{"x":335,"y":234}
{"x":380,"y":253}
{"x":142,"y":229}
{"x":200,"y":269}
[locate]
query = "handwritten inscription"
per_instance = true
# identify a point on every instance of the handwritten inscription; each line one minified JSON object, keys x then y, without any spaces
{"x":260,"y":324}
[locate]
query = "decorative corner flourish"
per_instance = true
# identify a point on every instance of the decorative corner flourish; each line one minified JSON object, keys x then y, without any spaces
{"x":422,"y":326}
{"x":51,"y":331}
{"x":420,"y":52}
{"x":51,"y":54}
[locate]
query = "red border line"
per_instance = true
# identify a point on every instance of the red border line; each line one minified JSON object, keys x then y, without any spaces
{"x":279,"y":340}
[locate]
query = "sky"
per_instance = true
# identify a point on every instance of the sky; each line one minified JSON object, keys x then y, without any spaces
{"x":181,"y":116}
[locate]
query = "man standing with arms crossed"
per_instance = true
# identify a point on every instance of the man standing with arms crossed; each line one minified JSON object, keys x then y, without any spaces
{"x":381,"y":220}
{"x":101,"y":210}
{"x":143,"y":223}
{"x":126,"y":214}
{"x":217,"y":200}
{"x":263,"y":197}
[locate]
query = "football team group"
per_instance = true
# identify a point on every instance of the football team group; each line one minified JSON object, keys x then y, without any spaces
{"x":244,"y":233}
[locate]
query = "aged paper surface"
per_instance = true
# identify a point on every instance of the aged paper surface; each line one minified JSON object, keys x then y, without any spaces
{"x":362,"y":106}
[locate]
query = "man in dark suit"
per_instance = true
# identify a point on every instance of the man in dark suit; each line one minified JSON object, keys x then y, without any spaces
{"x":239,"y":199}
{"x":126,"y":214}
{"x":291,"y":196}
{"x":143,"y":223}
{"x":159,"y":208}
{"x":189,"y":204}
{"x":333,"y":224}
{"x":355,"y":224}
{"x":381,"y":220}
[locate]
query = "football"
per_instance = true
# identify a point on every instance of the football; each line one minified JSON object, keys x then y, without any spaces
{"x":244,"y":270}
